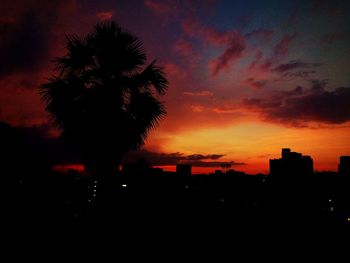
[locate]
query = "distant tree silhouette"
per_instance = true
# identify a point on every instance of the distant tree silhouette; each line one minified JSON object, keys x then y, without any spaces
{"x":103,"y":97}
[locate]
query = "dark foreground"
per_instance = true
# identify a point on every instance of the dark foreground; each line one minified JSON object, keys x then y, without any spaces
{"x":75,"y":200}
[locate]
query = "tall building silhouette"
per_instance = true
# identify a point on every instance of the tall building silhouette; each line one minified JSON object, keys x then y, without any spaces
{"x":184,"y":169}
{"x":291,"y":164}
{"x":344,"y":165}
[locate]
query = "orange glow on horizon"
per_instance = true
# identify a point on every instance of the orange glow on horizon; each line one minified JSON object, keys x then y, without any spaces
{"x":66,"y":167}
{"x":254,"y":143}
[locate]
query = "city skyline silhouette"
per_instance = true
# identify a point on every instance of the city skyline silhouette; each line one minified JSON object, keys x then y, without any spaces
{"x":146,"y":108}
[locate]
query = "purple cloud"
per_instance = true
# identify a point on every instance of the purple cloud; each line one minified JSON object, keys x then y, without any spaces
{"x":302,"y":106}
{"x":295,"y":64}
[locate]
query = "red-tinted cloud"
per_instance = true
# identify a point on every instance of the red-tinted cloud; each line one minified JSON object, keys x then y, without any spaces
{"x":232,"y":41}
{"x":185,"y":50}
{"x":281,"y":49}
{"x":255,"y":84}
{"x":260,"y":64}
{"x":174,"y":71}
{"x":214,"y":37}
{"x":32,"y":33}
{"x":226,"y":109}
{"x":257,"y":58}
{"x":233,"y":52}
{"x":161,"y":7}
{"x":197,"y":108}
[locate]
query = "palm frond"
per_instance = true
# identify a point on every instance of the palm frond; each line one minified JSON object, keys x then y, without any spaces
{"x":151,"y":76}
{"x":78,"y":57}
{"x":101,"y":98}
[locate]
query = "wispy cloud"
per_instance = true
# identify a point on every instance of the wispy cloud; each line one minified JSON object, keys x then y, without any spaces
{"x":198,"y":160}
{"x":281,"y":49}
{"x":203,"y":93}
{"x":232,"y":41}
{"x":295,"y":64}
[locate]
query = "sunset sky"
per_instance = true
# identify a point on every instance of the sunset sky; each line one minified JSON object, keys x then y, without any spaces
{"x":246,"y":77}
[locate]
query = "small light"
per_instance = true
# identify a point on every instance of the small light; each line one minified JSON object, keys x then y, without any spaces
{"x":94,"y":190}
{"x":329,"y":200}
{"x":124,"y":185}
{"x":332,"y":209}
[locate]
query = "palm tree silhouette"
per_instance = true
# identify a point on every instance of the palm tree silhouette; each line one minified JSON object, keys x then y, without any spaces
{"x":103,"y":98}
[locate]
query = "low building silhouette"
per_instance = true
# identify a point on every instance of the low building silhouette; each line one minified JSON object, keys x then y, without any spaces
{"x":141,"y":167}
{"x":233,"y":172}
{"x":291,"y":164}
{"x":184,"y":169}
{"x":217,"y":173}
{"x":344,"y":165}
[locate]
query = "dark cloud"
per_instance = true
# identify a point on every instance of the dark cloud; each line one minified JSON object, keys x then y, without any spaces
{"x":295,"y":64}
{"x":294,"y":92}
{"x":262,"y":104}
{"x":41,"y":139}
{"x":38,"y":144}
{"x":332,"y":37}
{"x":298,"y":106}
{"x":318,"y":86}
{"x":329,"y":107}
{"x":305,"y":74}
{"x":213,"y":164}
{"x":24,"y":44}
{"x":198,"y":157}
{"x":160,"y":159}
{"x":335,"y":8}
